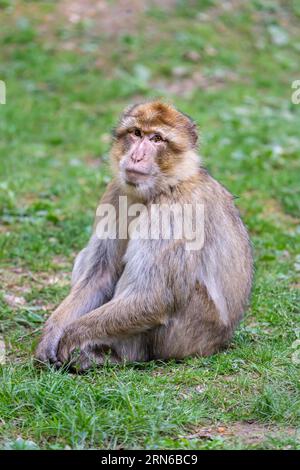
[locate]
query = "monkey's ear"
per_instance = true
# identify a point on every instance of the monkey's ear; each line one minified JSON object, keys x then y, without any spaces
{"x":194,"y":132}
{"x":128,"y":110}
{"x":193,"y":129}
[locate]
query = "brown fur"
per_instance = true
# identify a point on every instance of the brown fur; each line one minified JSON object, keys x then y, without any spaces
{"x":153,"y":299}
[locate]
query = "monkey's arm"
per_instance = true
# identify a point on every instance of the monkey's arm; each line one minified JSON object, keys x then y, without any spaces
{"x":95,"y":273}
{"x":151,"y":287}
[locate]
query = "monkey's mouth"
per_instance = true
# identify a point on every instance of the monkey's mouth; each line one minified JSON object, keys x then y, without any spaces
{"x":134,"y":177}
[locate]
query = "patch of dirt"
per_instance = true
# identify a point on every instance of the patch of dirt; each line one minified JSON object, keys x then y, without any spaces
{"x":228,"y":378}
{"x":111,"y":18}
{"x":61,"y":261}
{"x":18,"y":279}
{"x":4,"y":229}
{"x":14,"y":301}
{"x":248,"y":432}
{"x":17,"y":282}
{"x":185,"y":86}
{"x":98,"y":19}
{"x":13,"y":279}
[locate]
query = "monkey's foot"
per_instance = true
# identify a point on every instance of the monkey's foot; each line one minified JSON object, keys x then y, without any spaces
{"x":91,"y":357}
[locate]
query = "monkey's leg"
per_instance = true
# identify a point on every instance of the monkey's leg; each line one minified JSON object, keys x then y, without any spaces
{"x":195,"y":331}
{"x":118,"y":351}
{"x":143,"y":299}
{"x":92,"y":356}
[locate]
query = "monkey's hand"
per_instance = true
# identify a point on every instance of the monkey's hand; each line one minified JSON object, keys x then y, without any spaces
{"x":47,"y":347}
{"x":73,"y":340}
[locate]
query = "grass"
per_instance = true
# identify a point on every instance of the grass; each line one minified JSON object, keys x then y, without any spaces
{"x":66,"y":83}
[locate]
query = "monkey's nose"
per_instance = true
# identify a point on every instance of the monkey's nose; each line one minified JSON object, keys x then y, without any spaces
{"x":138,"y":157}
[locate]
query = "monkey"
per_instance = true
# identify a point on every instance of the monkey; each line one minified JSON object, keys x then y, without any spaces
{"x":136,"y":300}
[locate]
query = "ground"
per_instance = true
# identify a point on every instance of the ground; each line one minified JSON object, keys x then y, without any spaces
{"x":69,"y":68}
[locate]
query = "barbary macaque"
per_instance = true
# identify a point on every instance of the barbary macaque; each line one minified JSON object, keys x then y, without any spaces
{"x":145,"y":298}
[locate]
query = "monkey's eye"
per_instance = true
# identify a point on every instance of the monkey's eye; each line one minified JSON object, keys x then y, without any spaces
{"x":157,"y":138}
{"x":137,"y":132}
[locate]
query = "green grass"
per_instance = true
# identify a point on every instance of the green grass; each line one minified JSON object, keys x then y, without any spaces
{"x":62,"y":102}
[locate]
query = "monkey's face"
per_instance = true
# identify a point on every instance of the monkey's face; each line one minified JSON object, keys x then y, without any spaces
{"x":153,"y":146}
{"x":140,"y":163}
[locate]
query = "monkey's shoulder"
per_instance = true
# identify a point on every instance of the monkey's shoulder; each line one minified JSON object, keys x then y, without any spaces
{"x":211,"y":187}
{"x":200,"y":188}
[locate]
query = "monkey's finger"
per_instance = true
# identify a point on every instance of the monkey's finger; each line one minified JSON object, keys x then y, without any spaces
{"x":52,"y":358}
{"x":62,"y":356}
{"x":44,"y":356}
{"x":64,"y":353}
